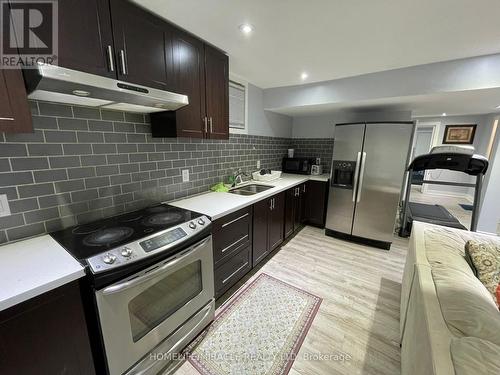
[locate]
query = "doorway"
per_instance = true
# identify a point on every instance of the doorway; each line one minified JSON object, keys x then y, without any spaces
{"x":423,"y":141}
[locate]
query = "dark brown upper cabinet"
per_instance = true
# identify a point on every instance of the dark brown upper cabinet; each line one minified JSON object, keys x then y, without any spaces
{"x":143,"y":45}
{"x":189,"y":79}
{"x":116,"y":39}
{"x":217,"y":93}
{"x":202,"y":73}
{"x":85,"y":37}
{"x":15,"y":114}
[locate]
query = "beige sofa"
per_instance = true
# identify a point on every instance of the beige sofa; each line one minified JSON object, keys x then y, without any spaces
{"x":450,"y":323}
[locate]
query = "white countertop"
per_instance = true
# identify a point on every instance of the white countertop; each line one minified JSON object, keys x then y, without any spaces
{"x":32,"y":267}
{"x":217,"y":205}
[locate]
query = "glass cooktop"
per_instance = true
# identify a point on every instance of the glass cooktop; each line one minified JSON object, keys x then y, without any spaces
{"x":86,"y":240}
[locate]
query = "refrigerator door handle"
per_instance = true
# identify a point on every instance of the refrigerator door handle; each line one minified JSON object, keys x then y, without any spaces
{"x":356,"y":175}
{"x":361,"y":175}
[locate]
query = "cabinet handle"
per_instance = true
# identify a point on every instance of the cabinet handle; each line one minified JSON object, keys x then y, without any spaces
{"x":271,"y":204}
{"x":234,"y":273}
{"x":211,"y":125}
{"x":304,"y":190}
{"x":110,"y":59}
{"x":206,"y":124}
{"x":234,"y":243}
{"x":274,"y":203}
{"x":124,"y":62}
{"x":235,"y":220}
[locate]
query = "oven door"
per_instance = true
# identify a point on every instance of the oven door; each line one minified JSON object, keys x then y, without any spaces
{"x":139,"y":312}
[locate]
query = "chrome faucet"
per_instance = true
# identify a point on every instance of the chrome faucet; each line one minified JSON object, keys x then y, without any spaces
{"x":238,"y":176}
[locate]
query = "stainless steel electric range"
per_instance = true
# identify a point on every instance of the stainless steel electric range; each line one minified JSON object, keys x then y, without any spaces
{"x":150,"y":285}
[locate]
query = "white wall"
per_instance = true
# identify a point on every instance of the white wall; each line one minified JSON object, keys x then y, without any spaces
{"x":323,"y":126}
{"x":489,"y":216}
{"x":262,"y":122}
{"x":481,"y":138}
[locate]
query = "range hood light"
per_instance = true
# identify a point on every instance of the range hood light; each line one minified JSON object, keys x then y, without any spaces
{"x":81,"y":93}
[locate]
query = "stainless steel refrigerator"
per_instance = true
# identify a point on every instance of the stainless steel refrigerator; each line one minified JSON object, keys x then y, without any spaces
{"x":368,"y":167}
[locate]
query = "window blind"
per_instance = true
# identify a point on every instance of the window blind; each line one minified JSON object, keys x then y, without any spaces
{"x":236,"y":105}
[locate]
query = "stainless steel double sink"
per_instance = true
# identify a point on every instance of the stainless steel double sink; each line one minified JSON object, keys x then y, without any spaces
{"x":250,"y":189}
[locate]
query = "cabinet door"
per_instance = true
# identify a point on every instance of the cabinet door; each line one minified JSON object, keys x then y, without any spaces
{"x":315,"y":202}
{"x":142,"y":44}
{"x":15,"y":115}
{"x":217,"y":92}
{"x":289,"y":211}
{"x":261,"y":212}
{"x":51,"y":329}
{"x":189,"y":79}
{"x":85,"y":37}
{"x":276,"y":222}
{"x":302,"y":203}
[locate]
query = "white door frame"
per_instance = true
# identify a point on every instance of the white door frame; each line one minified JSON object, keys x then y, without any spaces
{"x":435,"y":125}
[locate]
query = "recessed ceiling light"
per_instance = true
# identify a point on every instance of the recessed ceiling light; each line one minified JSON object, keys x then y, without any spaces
{"x":444,"y":114}
{"x":304,"y":76}
{"x":246,"y":28}
{"x":498,"y":107}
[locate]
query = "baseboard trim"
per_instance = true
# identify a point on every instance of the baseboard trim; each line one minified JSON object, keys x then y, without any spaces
{"x":361,"y":240}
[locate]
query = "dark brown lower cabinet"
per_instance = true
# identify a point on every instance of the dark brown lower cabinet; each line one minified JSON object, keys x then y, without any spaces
{"x":294,"y":209}
{"x":232,"y":246}
{"x":46,"y":335}
{"x":230,"y":272}
{"x":242,"y":239}
{"x":315,"y":202}
{"x":268,"y":224}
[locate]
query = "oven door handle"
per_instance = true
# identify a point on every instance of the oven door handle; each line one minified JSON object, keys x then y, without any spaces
{"x":150,"y":275}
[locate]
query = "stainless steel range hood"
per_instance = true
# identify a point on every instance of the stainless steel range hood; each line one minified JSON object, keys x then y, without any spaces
{"x":62,"y":85}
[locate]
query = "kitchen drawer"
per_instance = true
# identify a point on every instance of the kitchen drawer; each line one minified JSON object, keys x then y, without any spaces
{"x":229,"y":273}
{"x":232,"y":233}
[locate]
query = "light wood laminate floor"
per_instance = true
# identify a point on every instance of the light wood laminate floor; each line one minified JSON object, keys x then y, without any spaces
{"x":359,"y":315}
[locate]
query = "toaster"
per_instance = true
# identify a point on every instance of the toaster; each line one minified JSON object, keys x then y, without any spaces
{"x":316,"y":169}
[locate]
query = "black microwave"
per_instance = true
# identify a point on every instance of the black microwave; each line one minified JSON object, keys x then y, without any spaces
{"x":297,"y":165}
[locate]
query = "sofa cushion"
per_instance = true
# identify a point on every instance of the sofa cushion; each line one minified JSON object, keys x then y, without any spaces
{"x":466,"y":304}
{"x":472,"y":356}
{"x":486,"y":259}
{"x":446,"y":247}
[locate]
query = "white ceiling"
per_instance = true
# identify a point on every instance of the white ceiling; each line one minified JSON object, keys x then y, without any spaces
{"x":336,"y":38}
{"x":452,"y":103}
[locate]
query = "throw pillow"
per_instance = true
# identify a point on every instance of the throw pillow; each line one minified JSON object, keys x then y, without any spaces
{"x":486,"y":260}
{"x":498,"y":295}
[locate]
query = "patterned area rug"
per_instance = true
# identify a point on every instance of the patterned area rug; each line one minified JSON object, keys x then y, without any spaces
{"x":259,"y":331}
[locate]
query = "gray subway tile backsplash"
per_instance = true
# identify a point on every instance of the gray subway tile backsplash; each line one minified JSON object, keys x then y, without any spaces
{"x":82,"y":164}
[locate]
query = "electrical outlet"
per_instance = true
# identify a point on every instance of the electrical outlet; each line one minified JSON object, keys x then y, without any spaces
{"x":258,"y":164}
{"x":498,"y":227}
{"x":185,"y":175}
{"x":4,"y":205}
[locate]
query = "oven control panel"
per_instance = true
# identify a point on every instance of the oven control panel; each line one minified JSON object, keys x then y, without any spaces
{"x":147,"y":246}
{"x":163,"y":239}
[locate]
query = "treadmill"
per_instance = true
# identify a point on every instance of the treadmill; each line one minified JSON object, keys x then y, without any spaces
{"x":454,"y":158}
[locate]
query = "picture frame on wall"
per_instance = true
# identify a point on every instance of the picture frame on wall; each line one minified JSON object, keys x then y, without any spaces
{"x":462,"y":134}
